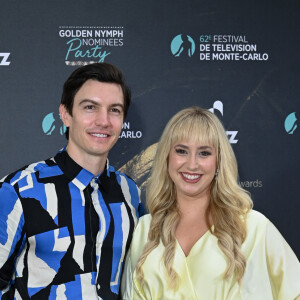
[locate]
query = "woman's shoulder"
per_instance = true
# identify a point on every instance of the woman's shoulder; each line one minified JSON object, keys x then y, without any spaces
{"x":140,"y":234}
{"x":256,"y":219}
{"x":256,"y":224}
{"x":144,"y":222}
{"x":139,"y":239}
{"x":145,"y":219}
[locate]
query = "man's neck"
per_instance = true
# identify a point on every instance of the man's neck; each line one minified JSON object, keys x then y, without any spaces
{"x":92,"y":163}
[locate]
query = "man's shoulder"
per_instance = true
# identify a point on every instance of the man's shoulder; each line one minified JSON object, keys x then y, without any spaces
{"x":27,"y":170}
{"x":121,"y":174}
{"x":130,"y":189}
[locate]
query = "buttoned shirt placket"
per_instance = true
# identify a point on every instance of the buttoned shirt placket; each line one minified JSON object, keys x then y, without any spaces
{"x":101,"y":233}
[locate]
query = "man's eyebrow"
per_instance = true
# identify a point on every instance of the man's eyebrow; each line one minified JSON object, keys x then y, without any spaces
{"x":91,"y":101}
{"x":83,"y":101}
{"x":117,"y":104}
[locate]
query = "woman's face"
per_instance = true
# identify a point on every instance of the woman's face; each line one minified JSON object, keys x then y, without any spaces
{"x":192,"y":167}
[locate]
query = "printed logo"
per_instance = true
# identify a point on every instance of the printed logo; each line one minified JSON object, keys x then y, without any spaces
{"x":50,"y":122}
{"x":90,"y":44}
{"x":251,"y":184}
{"x":217,"y":47}
{"x":128,"y":133}
{"x":246,"y":184}
{"x":290,"y":123}
{"x":183,"y":45}
{"x":218,"y":106}
{"x":3,"y":61}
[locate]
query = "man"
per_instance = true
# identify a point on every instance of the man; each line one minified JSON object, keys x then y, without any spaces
{"x":66,"y":222}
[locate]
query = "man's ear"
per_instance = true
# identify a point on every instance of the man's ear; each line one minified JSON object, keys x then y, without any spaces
{"x":64,"y":115}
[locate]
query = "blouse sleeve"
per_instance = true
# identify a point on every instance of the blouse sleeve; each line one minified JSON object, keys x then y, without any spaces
{"x":129,"y":290}
{"x":283,"y":266}
{"x":126,"y":283}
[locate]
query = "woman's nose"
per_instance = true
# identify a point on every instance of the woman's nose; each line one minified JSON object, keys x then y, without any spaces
{"x":192,"y":162}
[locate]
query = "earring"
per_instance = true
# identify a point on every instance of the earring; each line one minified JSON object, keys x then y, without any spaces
{"x":217,"y":172}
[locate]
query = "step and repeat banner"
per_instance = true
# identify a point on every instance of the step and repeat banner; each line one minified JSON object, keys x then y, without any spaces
{"x":238,"y":58}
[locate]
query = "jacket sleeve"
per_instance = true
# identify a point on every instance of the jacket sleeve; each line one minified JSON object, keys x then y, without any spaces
{"x":283,"y":266}
{"x":11,"y":232}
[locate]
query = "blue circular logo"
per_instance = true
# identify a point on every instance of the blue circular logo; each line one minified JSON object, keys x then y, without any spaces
{"x":290,"y":123}
{"x":49,"y":123}
{"x":182,"y":45}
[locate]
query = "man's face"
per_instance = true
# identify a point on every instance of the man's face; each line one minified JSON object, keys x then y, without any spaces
{"x":96,"y":121}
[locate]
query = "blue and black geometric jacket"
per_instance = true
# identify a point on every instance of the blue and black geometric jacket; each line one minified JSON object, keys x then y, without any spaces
{"x":64,"y":233}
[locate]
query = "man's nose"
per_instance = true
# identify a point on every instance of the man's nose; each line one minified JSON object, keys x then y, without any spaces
{"x":102,"y":118}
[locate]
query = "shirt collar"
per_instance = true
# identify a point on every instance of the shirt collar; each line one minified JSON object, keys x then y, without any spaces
{"x":78,"y":175}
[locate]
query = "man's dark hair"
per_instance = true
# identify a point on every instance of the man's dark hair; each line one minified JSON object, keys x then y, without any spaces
{"x":102,"y":72}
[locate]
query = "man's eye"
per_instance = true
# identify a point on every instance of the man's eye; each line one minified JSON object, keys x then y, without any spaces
{"x":115,"y":110}
{"x":89,"y":107}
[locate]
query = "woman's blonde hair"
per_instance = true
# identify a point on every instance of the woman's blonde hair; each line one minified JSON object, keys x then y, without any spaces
{"x":229,"y":203}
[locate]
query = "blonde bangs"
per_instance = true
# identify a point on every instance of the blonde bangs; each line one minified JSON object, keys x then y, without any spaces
{"x":195,"y":128}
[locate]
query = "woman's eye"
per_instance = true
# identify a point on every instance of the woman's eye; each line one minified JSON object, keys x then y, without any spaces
{"x":180,"y":151}
{"x":205,"y":153}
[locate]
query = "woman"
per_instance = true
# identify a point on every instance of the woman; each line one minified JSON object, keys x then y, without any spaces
{"x":202,"y":240}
